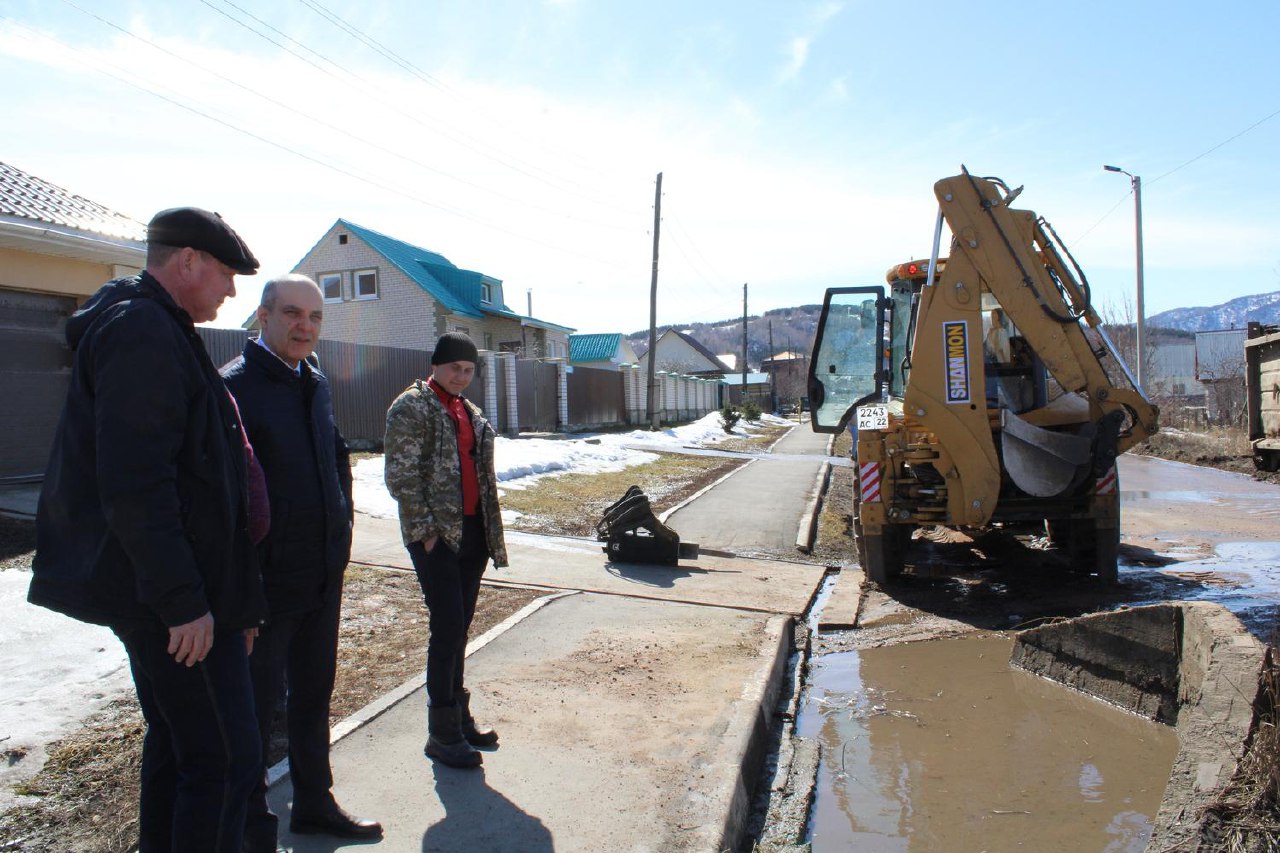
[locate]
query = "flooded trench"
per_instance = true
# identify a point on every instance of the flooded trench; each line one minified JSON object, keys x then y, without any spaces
{"x":940,"y":745}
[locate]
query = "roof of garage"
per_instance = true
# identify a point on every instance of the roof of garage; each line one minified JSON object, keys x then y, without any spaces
{"x":34,"y":212}
{"x":25,"y":195}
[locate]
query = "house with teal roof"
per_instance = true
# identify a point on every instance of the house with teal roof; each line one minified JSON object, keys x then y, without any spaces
{"x":387,"y":292}
{"x":604,"y":351}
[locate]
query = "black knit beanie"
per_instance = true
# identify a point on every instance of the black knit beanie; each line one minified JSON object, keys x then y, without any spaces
{"x":455,"y":346}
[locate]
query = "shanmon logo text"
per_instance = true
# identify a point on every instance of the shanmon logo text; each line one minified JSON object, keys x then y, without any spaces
{"x":955,"y":342}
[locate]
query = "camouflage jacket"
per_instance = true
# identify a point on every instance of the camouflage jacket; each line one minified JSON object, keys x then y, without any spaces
{"x":423,"y":471}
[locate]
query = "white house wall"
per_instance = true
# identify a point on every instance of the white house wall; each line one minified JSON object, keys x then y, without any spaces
{"x":402,"y":316}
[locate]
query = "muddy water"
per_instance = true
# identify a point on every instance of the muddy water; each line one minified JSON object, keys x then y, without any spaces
{"x":941,"y":746}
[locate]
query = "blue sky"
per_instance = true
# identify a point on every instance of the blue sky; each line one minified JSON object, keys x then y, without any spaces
{"x":798,"y":141}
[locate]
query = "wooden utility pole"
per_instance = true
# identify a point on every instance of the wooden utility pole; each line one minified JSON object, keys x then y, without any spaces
{"x":654,"y":414}
{"x":773,"y":371}
{"x":744,"y":343}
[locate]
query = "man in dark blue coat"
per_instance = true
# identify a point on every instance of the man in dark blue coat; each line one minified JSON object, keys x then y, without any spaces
{"x":288,"y":415}
{"x":143,"y":526}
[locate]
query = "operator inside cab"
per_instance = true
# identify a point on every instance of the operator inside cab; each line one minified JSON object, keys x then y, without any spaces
{"x":1010,"y":384}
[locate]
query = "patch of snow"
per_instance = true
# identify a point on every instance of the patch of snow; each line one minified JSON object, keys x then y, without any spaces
{"x":57,"y":671}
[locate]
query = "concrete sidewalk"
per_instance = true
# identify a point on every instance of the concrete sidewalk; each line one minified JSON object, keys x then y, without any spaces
{"x":634,"y":702}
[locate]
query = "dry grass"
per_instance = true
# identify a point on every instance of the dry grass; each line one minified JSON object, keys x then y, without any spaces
{"x":87,"y":790}
{"x":571,"y":504}
{"x":1246,"y":819}
{"x":834,"y":544}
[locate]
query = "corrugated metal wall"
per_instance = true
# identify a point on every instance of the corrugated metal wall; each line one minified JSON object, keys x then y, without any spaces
{"x":35,"y":366}
{"x":364,"y":379}
{"x":596,"y":398}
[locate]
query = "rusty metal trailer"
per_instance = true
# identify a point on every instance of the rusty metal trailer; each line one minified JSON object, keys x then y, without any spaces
{"x":1262,"y":390}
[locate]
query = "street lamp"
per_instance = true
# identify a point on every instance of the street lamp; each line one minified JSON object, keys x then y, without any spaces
{"x":1136,"y":183}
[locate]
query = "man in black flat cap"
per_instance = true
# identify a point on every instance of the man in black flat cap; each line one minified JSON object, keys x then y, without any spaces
{"x":144,"y":524}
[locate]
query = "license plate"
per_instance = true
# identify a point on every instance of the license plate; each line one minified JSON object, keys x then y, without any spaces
{"x":873,"y":417}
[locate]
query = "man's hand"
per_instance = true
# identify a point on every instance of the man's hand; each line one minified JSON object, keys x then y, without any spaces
{"x":190,"y":643}
{"x":430,"y":543}
{"x":249,"y":635}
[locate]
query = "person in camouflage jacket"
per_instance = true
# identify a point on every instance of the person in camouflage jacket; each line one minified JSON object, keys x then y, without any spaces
{"x":439,"y":467}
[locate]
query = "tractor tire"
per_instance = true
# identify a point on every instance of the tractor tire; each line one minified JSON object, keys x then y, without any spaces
{"x":1090,"y":549}
{"x":886,"y":553}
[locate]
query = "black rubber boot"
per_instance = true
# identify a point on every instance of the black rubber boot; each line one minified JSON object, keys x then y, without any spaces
{"x":445,"y":742}
{"x":475,"y":736}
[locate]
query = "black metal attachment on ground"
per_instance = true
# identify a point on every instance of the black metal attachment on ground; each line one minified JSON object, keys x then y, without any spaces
{"x":635,"y":535}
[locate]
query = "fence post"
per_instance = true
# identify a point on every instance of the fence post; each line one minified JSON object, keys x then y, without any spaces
{"x":513,"y":401}
{"x":562,"y":395}
{"x":491,"y":390}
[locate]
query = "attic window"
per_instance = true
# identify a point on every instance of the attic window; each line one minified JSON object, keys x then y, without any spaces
{"x":342,"y":239}
{"x":486,"y":292}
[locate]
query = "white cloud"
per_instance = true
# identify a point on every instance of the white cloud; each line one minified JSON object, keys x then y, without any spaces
{"x":796,"y":53}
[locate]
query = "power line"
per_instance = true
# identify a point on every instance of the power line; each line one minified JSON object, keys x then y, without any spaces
{"x":1199,"y":156}
{"x":1102,"y":219}
{"x":1216,"y":147}
{"x":174,"y":100}
{"x":407,"y":65}
{"x":336,"y":128}
{"x":680,"y":235}
{"x":514,"y":163}
{"x":368,"y":89}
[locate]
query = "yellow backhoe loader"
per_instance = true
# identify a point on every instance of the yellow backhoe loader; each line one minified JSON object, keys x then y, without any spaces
{"x":981,"y":388}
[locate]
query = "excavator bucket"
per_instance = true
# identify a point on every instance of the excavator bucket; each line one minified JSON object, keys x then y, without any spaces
{"x":1042,"y":462}
{"x":633,"y":534}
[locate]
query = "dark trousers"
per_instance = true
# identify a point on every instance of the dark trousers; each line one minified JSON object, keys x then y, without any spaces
{"x":299,"y":650}
{"x":450,"y":585}
{"x":201,"y":749}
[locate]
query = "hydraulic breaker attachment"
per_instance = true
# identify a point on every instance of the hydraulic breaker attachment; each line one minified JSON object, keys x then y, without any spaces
{"x":633,"y":534}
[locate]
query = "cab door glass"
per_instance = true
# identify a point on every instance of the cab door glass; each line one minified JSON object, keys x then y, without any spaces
{"x":847,"y":355}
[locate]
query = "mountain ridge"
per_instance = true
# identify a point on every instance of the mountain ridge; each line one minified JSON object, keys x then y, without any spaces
{"x":793,"y":329}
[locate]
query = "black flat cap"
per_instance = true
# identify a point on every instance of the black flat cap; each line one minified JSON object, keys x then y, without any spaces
{"x":203,"y":230}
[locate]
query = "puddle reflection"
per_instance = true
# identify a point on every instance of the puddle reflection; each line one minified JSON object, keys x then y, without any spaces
{"x":940,"y":746}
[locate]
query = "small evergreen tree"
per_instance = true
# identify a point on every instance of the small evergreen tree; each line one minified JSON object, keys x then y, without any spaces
{"x":729,"y":417}
{"x":751,"y":411}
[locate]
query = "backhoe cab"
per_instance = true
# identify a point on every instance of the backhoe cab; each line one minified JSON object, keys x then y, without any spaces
{"x":981,"y":389}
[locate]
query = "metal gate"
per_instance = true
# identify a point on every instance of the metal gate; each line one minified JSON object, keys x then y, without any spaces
{"x":35,"y":367}
{"x":536,"y":395}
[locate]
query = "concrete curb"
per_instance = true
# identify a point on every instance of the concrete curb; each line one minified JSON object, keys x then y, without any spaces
{"x":749,"y":735}
{"x":809,"y":521}
{"x":379,"y":706}
{"x":1188,"y":664}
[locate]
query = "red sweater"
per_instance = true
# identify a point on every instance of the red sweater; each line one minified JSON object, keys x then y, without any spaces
{"x":466,"y":447}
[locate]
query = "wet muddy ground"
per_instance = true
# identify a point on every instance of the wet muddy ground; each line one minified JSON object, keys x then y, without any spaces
{"x":1188,"y":533}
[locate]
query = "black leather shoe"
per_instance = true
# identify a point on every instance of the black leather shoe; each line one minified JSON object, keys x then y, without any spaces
{"x":335,"y":822}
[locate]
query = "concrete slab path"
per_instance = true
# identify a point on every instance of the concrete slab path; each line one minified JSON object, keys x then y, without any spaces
{"x":633,"y":701}
{"x":762,"y":505}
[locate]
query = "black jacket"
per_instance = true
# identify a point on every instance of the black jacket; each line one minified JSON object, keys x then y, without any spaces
{"x":143,"y":514}
{"x":289,"y":420}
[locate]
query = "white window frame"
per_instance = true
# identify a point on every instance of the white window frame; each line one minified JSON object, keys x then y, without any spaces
{"x":355,"y":285}
{"x":486,"y":293}
{"x":324,"y":279}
